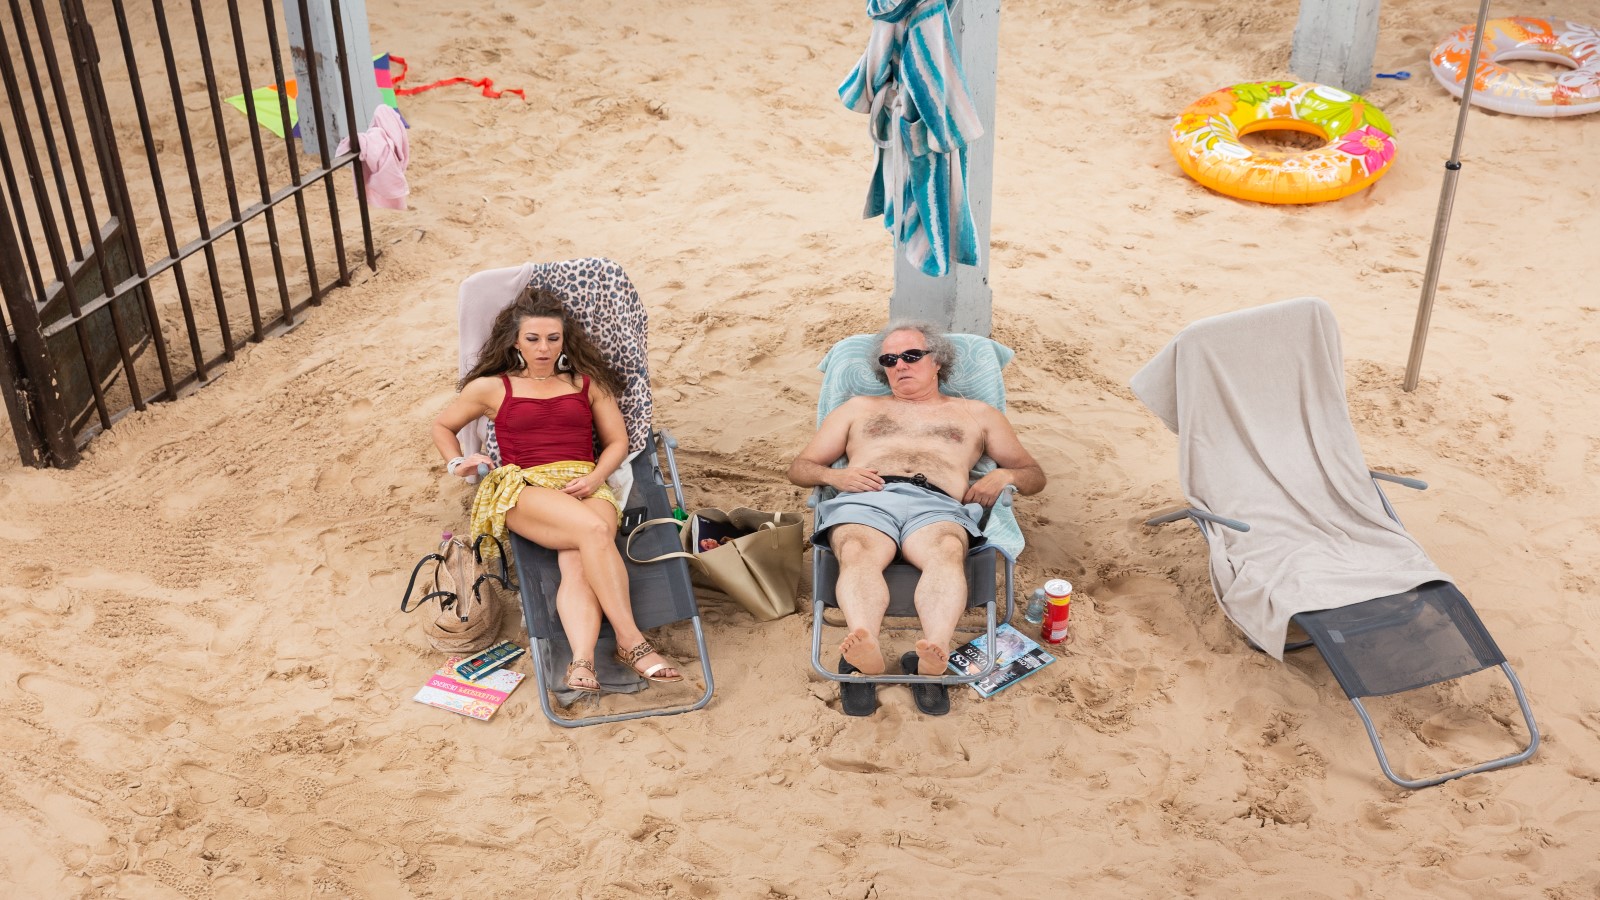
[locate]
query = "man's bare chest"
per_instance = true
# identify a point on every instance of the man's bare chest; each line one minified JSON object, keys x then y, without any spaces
{"x":908,"y":424}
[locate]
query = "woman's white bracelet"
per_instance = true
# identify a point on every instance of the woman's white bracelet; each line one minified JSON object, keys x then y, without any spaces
{"x":451,"y":465}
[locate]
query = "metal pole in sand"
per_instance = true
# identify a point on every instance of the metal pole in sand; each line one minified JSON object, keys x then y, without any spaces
{"x":312,"y":43}
{"x":1441,"y":223}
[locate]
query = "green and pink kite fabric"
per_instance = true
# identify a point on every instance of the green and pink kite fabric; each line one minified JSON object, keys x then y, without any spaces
{"x":269,"y":102}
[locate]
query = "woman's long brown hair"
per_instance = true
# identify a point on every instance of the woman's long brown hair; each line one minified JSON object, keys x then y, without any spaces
{"x":499,"y":353}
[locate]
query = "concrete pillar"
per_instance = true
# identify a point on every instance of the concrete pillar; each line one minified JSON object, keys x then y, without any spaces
{"x":357,"y":65}
{"x":962,"y":300}
{"x":1335,"y":42}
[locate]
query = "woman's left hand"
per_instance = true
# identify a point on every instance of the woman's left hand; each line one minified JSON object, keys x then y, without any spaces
{"x":583,"y":486}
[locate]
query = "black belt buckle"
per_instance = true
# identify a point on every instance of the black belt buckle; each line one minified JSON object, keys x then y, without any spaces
{"x":919,"y":479}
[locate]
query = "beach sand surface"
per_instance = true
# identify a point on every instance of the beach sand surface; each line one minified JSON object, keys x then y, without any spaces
{"x":206,"y":682}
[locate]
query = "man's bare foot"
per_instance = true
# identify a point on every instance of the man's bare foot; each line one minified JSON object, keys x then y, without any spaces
{"x":862,"y":651}
{"x":931,"y":658}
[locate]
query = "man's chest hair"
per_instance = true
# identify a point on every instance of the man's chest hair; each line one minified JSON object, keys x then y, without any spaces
{"x":910,"y":422}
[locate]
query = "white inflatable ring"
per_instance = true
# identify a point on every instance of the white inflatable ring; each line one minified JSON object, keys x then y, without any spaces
{"x":1523,"y":38}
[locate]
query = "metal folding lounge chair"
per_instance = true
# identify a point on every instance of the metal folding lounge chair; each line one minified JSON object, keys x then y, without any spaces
{"x":661,"y":591}
{"x":1374,"y":648}
{"x":847,"y":372}
{"x":1401,"y":641}
{"x":599,"y":294}
{"x":902,"y":577}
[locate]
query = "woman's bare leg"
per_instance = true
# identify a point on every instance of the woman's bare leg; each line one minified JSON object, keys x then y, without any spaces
{"x":580,"y":614}
{"x":562,"y":522}
{"x":621,"y":615}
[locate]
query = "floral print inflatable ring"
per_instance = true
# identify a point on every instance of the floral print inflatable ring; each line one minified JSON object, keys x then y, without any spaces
{"x":1544,"y":40}
{"x":1359,"y":149}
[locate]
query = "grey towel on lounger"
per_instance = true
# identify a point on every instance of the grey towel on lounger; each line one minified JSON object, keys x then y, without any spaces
{"x":1264,"y":436}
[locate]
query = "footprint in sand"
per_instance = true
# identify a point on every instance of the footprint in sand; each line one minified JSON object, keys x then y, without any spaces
{"x":190,"y":886}
{"x":522,"y":206}
{"x":211,"y":786}
{"x":334,"y":841}
{"x":397,"y":807}
{"x":63,"y":700}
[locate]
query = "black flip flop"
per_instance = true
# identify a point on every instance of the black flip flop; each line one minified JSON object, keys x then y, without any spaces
{"x":856,"y":699}
{"x":932,"y":699}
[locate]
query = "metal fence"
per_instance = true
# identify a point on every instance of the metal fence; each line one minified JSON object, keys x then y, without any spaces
{"x":124,"y":282}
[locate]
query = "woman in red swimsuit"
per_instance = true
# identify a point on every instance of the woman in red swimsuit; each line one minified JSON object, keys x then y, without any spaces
{"x":549,"y":394}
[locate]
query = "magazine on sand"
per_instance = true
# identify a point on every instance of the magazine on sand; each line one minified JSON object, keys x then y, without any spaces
{"x":1020,"y":656}
{"x":478,"y":699}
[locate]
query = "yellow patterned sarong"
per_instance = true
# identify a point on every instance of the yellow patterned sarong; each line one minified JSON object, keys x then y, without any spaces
{"x":499,"y":490}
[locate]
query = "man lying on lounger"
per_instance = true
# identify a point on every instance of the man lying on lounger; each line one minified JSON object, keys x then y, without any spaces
{"x":905,"y":489}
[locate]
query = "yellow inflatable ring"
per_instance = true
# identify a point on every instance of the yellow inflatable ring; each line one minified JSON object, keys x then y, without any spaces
{"x":1359,"y":149}
{"x":1502,"y":90}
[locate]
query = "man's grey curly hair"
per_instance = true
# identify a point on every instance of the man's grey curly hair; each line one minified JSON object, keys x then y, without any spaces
{"x":938,"y":346}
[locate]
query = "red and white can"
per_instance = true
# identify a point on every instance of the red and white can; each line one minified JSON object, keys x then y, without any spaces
{"x":1057,"y":607}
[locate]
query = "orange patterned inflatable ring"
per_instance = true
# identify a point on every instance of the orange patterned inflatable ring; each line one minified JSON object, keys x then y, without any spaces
{"x":1359,"y":146}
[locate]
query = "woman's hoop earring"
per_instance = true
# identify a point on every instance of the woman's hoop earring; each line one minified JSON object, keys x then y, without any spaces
{"x":517,"y":354}
{"x":563,"y":363}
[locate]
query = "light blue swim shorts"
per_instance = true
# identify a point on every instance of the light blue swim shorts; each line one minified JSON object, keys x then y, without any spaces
{"x":897,"y":510}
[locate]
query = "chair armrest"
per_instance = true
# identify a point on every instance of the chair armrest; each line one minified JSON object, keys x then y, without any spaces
{"x":1413,"y":483}
{"x":1190,"y":512}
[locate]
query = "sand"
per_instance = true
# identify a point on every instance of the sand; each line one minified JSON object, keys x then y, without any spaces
{"x":205,"y":681}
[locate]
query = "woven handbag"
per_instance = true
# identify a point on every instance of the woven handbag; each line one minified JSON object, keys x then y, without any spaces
{"x":467,"y":617}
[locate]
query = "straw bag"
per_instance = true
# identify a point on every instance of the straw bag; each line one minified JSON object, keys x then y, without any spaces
{"x":467,"y":618}
{"x":752,"y":556}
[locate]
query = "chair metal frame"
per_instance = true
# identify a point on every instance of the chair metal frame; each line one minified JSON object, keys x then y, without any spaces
{"x":649,"y":483}
{"x":1205,"y":521}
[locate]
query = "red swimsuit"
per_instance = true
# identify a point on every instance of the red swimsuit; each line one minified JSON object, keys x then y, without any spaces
{"x":536,"y":432}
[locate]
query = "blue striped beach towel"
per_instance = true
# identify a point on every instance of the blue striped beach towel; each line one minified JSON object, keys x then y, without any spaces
{"x":910,"y":84}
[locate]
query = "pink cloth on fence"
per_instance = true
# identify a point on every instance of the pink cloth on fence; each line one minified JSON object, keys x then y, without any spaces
{"x":385,"y":153}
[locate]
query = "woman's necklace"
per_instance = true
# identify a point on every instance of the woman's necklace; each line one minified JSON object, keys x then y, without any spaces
{"x":538,"y":377}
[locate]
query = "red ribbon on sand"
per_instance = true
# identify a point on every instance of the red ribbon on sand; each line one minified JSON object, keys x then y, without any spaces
{"x":484,"y":84}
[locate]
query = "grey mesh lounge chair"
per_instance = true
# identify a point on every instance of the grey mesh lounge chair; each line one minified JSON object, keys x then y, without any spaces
{"x":1257,"y":400}
{"x":902,"y":577}
{"x":847,"y":372}
{"x":598,"y":293}
{"x":661,"y":591}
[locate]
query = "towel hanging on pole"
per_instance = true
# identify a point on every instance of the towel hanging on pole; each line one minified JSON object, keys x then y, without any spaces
{"x":910,"y":84}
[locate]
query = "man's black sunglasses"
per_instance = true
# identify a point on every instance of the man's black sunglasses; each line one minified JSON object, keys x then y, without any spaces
{"x":888,"y":360}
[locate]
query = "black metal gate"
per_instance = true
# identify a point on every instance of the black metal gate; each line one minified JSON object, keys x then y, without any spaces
{"x":104,"y":172}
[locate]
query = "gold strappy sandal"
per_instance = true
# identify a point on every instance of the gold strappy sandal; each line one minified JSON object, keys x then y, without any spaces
{"x":593,"y":678}
{"x":640,"y":651}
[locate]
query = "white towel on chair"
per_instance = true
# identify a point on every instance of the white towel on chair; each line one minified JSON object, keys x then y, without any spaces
{"x":1264,"y":436}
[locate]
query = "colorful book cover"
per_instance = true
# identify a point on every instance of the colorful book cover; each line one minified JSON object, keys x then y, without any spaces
{"x":1019,"y":657}
{"x":478,"y":699}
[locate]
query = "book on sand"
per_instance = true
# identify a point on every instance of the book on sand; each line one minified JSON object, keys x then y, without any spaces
{"x":478,"y":699}
{"x":1019,"y":657}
